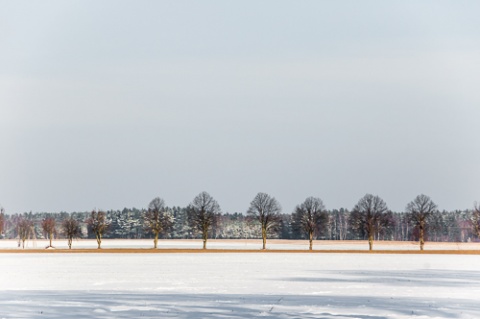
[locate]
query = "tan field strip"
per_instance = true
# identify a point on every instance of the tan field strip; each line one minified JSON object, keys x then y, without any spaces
{"x":236,"y":246}
{"x":229,"y":251}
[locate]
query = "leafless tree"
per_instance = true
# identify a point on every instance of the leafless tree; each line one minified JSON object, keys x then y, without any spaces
{"x":71,"y":229}
{"x":366,"y":216}
{"x":311,"y":217}
{"x":2,"y":220}
{"x":475,"y":219}
{"x":157,"y":219}
{"x":48,"y":226}
{"x":98,"y":223}
{"x":202,"y":214}
{"x":24,"y":229}
{"x":419,"y":210}
{"x":266,"y":210}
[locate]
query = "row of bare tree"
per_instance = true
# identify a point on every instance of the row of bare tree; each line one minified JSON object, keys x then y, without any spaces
{"x":25,"y":228}
{"x":370,"y":217}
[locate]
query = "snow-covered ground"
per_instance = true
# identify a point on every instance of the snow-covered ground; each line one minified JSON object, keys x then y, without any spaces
{"x":241,"y":244}
{"x":333,"y":286}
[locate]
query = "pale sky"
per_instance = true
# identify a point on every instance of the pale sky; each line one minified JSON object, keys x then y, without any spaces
{"x":109,"y":104}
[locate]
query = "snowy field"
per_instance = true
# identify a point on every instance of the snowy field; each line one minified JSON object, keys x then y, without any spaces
{"x":333,"y":286}
{"x":241,"y":244}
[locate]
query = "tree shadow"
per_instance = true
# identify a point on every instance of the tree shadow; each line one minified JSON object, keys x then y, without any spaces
{"x":424,"y":278}
{"x":118,"y":304}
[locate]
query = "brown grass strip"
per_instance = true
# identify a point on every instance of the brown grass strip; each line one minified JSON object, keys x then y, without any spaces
{"x":230,"y":251}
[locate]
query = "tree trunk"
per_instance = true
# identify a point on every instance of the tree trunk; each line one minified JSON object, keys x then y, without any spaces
{"x":370,"y":242}
{"x":69,"y":243}
{"x":50,"y":235}
{"x":99,"y":240}
{"x":311,"y":240}
{"x":421,"y":235}
{"x":205,"y":236}
{"x":264,"y":238}
{"x":155,"y":241}
{"x":23,"y":243}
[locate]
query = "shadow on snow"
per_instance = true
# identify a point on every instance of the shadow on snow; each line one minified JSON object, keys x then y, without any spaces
{"x":424,"y":278}
{"x":117,"y":304}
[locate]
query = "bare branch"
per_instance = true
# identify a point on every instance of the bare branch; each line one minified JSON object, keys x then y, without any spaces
{"x":266,"y":210}
{"x":157,"y":219}
{"x":71,"y":229}
{"x":475,"y":219}
{"x":419,"y":211}
{"x":311,"y":217}
{"x":98,"y":223}
{"x":366,"y":216}
{"x":48,"y":226}
{"x":202,"y":214}
{"x":24,"y":229}
{"x":2,"y":220}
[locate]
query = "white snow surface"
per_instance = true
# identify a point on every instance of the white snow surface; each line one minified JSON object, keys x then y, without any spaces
{"x":239,"y":285}
{"x":272,"y":244}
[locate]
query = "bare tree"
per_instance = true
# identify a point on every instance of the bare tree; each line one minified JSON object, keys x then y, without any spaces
{"x":419,"y":210}
{"x":475,"y":219}
{"x":366,"y":216}
{"x":98,"y":223}
{"x":311,"y":217}
{"x":48,"y":226}
{"x":2,"y":221}
{"x":24,"y":229}
{"x":71,"y":229}
{"x":266,"y":210}
{"x":202,"y":214}
{"x":157,"y":219}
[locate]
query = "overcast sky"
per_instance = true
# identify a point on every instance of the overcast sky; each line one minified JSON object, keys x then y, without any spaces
{"x":109,"y":104}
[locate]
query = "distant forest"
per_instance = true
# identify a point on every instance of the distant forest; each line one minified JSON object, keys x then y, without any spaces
{"x":336,"y":224}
